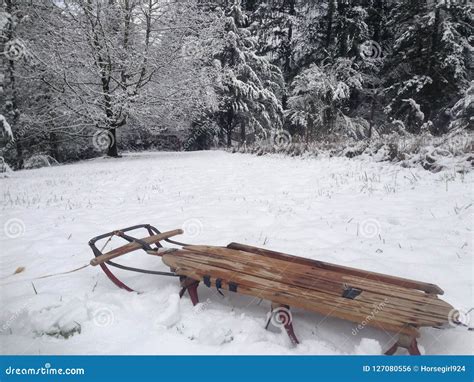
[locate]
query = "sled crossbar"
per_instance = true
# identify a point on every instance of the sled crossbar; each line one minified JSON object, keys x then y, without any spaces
{"x":134,"y":245}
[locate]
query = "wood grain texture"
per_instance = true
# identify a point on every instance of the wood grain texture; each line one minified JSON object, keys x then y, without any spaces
{"x":323,"y":304}
{"x":399,"y":281}
{"x":380,"y":304}
{"x":420,"y":305}
{"x":130,"y":247}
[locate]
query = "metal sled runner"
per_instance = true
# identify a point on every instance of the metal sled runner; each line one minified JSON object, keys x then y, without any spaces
{"x":394,"y":304}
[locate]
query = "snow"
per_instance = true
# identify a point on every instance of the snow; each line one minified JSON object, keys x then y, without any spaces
{"x":5,"y":169}
{"x":368,"y":346}
{"x":6,"y":127}
{"x":356,"y":212}
{"x":416,"y":107}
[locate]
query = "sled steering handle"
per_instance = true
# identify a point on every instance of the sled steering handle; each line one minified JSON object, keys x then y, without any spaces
{"x":130,"y":247}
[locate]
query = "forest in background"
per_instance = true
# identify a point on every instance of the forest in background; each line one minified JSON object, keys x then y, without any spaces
{"x":85,"y":77}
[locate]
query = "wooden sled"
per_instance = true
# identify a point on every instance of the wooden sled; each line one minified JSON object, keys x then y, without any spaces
{"x":393,"y":304}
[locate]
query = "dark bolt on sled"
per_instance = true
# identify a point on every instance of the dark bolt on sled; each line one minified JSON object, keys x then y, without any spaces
{"x":394,"y":304}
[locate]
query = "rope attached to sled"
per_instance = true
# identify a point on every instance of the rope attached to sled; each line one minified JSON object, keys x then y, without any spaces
{"x":45,"y":276}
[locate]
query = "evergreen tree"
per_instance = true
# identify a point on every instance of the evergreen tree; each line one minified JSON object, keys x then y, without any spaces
{"x":428,"y":68}
{"x":350,"y":28}
{"x":319,"y":98}
{"x":275,"y":24}
{"x":249,"y":86}
{"x":462,"y":113}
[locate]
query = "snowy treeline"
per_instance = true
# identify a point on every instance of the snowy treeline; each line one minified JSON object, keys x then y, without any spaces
{"x":84,"y":76}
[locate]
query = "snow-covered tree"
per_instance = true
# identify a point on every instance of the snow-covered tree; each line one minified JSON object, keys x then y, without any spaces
{"x":319,"y":96}
{"x":6,"y":128}
{"x":12,"y":50}
{"x":462,"y":113}
{"x":275,"y":24}
{"x":350,"y":28}
{"x":81,"y":69}
{"x":249,"y":87}
{"x":110,"y":61}
{"x":429,"y":63}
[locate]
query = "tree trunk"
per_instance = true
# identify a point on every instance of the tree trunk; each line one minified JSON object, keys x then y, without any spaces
{"x":288,"y":55}
{"x":105,"y":71}
{"x":19,"y":155}
{"x":11,"y":86}
{"x":307,"y":129}
{"x":371,"y":121}
{"x":330,"y":16}
{"x":343,"y":35}
{"x":243,"y":135}
{"x":221,"y":135}
{"x":434,"y":42}
{"x":113,"y":150}
{"x":229,"y":129}
{"x":53,"y":146}
{"x":379,"y":11}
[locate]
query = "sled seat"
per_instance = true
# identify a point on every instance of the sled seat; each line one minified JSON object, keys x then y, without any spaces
{"x":393,"y":304}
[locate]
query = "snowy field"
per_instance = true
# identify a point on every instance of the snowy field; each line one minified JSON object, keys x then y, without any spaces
{"x":375,"y":216}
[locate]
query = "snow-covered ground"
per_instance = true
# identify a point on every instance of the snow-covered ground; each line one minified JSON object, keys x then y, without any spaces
{"x":375,"y":216}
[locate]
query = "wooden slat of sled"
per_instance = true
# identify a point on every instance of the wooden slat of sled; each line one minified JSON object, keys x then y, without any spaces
{"x":421,"y":312}
{"x":324,"y":304}
{"x":332,"y":282}
{"x":261,"y":288}
{"x":316,"y":272}
{"x":407,"y":283}
{"x":430,"y":299}
{"x":428,"y":314}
